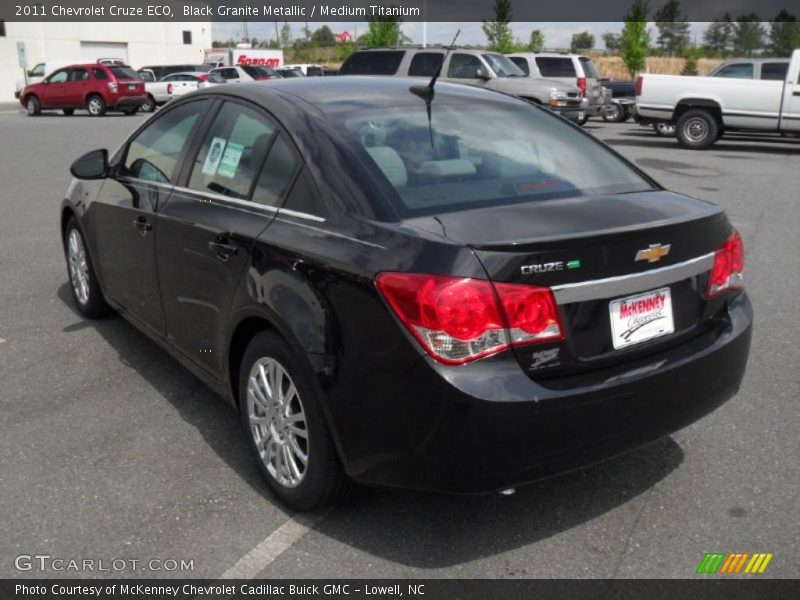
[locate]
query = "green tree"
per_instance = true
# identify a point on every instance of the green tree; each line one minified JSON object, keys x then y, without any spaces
{"x":673,"y":28}
{"x":323,"y":37}
{"x":635,"y":38}
{"x":581,"y":42}
{"x":718,"y":36}
{"x":498,"y":32}
{"x":537,"y":41}
{"x":383,"y":31}
{"x":748,"y":35}
{"x":611,"y":41}
{"x":285,"y":39}
{"x":692,"y":54}
{"x":784,"y":34}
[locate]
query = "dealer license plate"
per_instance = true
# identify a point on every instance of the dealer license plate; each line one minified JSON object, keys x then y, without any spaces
{"x":640,"y":318}
{"x":131,"y":86}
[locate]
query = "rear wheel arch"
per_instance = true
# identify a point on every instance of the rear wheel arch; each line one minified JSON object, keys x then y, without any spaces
{"x":711,"y":106}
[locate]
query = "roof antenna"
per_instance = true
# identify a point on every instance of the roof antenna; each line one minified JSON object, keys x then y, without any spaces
{"x":426,"y":92}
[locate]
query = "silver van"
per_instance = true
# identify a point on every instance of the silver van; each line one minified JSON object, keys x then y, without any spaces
{"x":567,"y":68}
{"x":480,"y":68}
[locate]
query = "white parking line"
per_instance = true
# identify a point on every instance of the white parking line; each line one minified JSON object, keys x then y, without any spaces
{"x":275,"y":544}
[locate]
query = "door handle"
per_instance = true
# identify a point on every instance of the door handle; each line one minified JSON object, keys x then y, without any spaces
{"x":223,"y":249}
{"x":142,"y":225}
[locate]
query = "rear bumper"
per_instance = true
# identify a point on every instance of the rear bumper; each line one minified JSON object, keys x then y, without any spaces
{"x":129,"y":102}
{"x":487,"y":426}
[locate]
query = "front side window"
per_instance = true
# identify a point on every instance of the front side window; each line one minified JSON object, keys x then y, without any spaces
{"x":502,"y":66}
{"x":521,"y":63}
{"x":153,"y":154}
{"x":775,"y":71}
{"x":59,"y":77}
{"x":425,"y":64}
{"x":464,"y":66}
{"x":555,"y":66}
{"x":473,"y":156}
{"x":233,"y":152}
{"x":736,"y":71}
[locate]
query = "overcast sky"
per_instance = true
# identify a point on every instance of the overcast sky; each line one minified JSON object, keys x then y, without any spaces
{"x":557,"y":35}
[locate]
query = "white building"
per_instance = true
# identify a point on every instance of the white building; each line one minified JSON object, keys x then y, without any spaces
{"x":138,"y":44}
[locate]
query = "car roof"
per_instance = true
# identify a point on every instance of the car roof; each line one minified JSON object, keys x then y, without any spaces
{"x":348,"y":92}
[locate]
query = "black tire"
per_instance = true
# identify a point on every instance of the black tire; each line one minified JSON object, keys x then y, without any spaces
{"x":96,"y":105}
{"x":614,"y":114}
{"x":68,"y":111}
{"x":664,"y":129}
{"x":131,"y":111}
{"x":323,"y":480}
{"x":582,"y":121}
{"x":33,"y":106}
{"x":93,"y":305}
{"x":697,"y":129}
{"x":148,"y":106}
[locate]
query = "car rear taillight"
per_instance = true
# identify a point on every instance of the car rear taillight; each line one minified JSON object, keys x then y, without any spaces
{"x":202,"y":77}
{"x":582,"y":85}
{"x":112,"y":87}
{"x":728,"y":271}
{"x":638,"y":90}
{"x":169,"y":89}
{"x":458,"y":320}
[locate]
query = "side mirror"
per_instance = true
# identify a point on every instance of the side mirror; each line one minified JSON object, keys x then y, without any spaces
{"x":480,"y":73}
{"x":93,"y":165}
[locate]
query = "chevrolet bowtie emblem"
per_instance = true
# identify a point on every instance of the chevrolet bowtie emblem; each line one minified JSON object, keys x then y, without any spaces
{"x":654,"y":253}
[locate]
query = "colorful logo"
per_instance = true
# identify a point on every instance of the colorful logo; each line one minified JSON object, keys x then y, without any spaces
{"x":735,"y":562}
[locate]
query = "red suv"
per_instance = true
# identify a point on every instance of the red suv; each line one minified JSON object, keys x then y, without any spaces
{"x":95,"y":87}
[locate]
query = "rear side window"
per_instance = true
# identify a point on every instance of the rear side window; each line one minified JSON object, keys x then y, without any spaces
{"x":774,"y":71}
{"x":78,"y":75}
{"x":554,"y":66}
{"x":276,"y":175}
{"x":588,"y":68}
{"x":124,"y":73}
{"x":384,"y":62}
{"x":521,"y":63}
{"x":314,"y":72}
{"x":154,"y":153}
{"x":736,"y":71}
{"x":233,"y":152}
{"x":424,"y":64}
{"x":99,"y":73}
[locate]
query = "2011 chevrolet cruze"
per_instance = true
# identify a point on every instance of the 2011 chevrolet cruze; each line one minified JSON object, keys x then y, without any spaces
{"x":453,"y":290}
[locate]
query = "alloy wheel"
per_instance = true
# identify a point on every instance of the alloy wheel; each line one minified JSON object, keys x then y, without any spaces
{"x":78,"y":267}
{"x":277,"y":422}
{"x":695,"y":130}
{"x":95,"y":106}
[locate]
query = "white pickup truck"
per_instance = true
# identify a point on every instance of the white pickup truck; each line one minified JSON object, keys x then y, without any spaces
{"x":158,"y":92}
{"x":703,"y":108}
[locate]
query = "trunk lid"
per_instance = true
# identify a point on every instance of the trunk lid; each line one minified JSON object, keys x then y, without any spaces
{"x":585,"y":249}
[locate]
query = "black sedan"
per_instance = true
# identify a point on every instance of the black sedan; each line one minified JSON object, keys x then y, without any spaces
{"x":457,"y":292}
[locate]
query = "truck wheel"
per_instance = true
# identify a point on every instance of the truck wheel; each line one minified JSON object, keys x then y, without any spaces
{"x":96,"y":105}
{"x":149,"y":105}
{"x":33,"y":106}
{"x":697,"y":129}
{"x":664,"y":129}
{"x":614,"y":114}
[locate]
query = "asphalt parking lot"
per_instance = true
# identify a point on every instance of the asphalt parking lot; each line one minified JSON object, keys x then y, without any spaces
{"x":110,"y":449}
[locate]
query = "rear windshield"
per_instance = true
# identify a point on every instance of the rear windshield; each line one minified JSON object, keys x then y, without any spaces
{"x":552,"y":66}
{"x":124,"y":73}
{"x":384,"y":62}
{"x":483,"y":155}
{"x":588,"y":68}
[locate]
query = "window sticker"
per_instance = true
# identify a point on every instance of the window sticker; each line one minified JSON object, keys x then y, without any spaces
{"x":230,"y":160}
{"x":214,"y":156}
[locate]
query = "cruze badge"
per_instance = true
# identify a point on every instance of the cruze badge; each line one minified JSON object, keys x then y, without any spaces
{"x":550,"y":266}
{"x":654,"y":253}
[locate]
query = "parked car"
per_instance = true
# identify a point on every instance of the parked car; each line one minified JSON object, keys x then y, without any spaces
{"x":43,"y":69}
{"x":753,"y":68}
{"x":472,"y":67}
{"x":703,"y":108}
{"x":620,"y":106}
{"x":309,"y":70}
{"x":183,"y":83}
{"x":289,"y":72}
{"x":567,"y":68}
{"x":94,"y":87}
{"x":158,"y":93}
{"x":161,"y":71}
{"x":458,"y":295}
{"x":245,"y":74}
